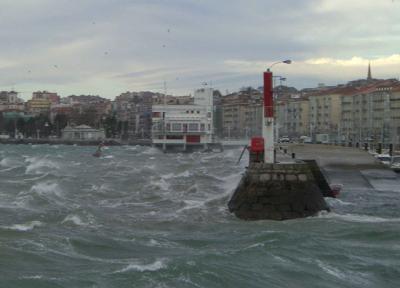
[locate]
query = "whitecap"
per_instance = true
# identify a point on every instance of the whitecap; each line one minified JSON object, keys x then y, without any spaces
{"x":9,"y":163}
{"x":75,"y":219}
{"x":162,"y":184}
{"x":151,"y":151}
{"x":191,"y":204}
{"x":331,"y":270}
{"x":25,"y":227}
{"x":154,"y":243}
{"x":38,"y":166}
{"x":336,"y":201}
{"x":157,"y":265}
{"x":46,"y":188}
{"x":357,"y":218}
{"x":34,"y":277}
{"x":184,"y":174}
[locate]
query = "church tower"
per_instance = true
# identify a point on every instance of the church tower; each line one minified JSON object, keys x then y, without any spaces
{"x":369,"y":77}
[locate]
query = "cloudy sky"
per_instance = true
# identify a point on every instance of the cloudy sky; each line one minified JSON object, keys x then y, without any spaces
{"x":106,"y":47}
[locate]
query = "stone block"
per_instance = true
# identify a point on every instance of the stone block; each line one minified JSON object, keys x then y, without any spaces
{"x":284,"y":208}
{"x":265,"y":200}
{"x":290,"y":177}
{"x":257,"y":207}
{"x":277,"y":177}
{"x":265,"y":177}
{"x":303,"y":177}
{"x":254,"y":177}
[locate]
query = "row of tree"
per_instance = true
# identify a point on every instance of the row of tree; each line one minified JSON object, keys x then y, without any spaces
{"x":41,"y":127}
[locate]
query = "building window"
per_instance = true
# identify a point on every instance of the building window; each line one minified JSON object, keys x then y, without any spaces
{"x":176,"y":127}
{"x":202,"y":127}
{"x":194,"y":127}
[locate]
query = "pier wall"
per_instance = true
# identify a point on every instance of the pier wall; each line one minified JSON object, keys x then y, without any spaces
{"x":277,"y":191}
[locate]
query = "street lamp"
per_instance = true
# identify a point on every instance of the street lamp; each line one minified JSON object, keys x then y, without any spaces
{"x":284,"y":61}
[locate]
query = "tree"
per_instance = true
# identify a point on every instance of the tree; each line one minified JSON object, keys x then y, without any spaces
{"x":60,"y":122}
{"x":110,"y":126}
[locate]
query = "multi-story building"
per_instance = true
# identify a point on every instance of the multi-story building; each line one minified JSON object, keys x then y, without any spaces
{"x":372,"y":114}
{"x":41,"y":102}
{"x":133,"y":110}
{"x":292,"y":117}
{"x":242,"y":114}
{"x":325,"y":111}
{"x":185,"y":125}
{"x":160,"y":99}
{"x":9,"y":101}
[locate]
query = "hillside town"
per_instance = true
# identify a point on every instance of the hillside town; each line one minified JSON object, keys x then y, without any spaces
{"x":360,"y":111}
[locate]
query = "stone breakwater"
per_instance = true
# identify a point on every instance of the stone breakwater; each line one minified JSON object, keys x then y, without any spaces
{"x":278,"y":192}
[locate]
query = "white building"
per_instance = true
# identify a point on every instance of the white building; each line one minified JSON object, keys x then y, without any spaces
{"x":82,"y":132}
{"x":185,"y":125}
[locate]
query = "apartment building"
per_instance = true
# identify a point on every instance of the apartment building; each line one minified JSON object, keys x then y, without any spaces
{"x":242,"y":114}
{"x":325,"y":111}
{"x":372,"y":114}
{"x":292,"y":117}
{"x":41,"y":102}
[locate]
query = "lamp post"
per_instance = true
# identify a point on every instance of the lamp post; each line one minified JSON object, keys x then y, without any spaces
{"x":268,"y":119}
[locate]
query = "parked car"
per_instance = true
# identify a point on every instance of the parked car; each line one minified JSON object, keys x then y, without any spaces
{"x":284,"y":139}
{"x":305,"y":139}
{"x":395,"y":163}
{"x":385,"y":159}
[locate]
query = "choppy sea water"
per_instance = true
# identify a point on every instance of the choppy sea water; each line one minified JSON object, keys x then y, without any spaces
{"x":139,"y":218}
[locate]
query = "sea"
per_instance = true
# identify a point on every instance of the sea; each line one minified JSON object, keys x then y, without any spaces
{"x":137,"y":217}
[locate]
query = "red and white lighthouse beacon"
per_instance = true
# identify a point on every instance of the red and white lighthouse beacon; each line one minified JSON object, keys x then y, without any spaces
{"x":268,"y":119}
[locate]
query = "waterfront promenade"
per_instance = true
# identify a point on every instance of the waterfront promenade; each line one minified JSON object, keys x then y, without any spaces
{"x":352,"y":167}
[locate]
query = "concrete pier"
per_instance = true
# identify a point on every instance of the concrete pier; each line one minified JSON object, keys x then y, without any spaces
{"x":278,"y":192}
{"x":296,"y":188}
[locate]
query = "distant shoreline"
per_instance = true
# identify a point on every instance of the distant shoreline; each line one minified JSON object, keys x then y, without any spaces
{"x":107,"y":142}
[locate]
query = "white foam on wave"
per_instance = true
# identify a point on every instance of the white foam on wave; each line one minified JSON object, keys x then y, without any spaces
{"x":40,"y":165}
{"x":46,"y":188}
{"x":161,"y":184}
{"x":331,"y":270}
{"x":336,"y":201}
{"x":151,"y":151}
{"x":184,"y":174}
{"x":192,"y":204}
{"x":24,"y":227}
{"x":5,"y":162}
{"x":34,"y":277}
{"x":9,"y":163}
{"x":150,"y":167}
{"x":357,"y":218}
{"x":157,"y":265}
{"x":75,"y":219}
